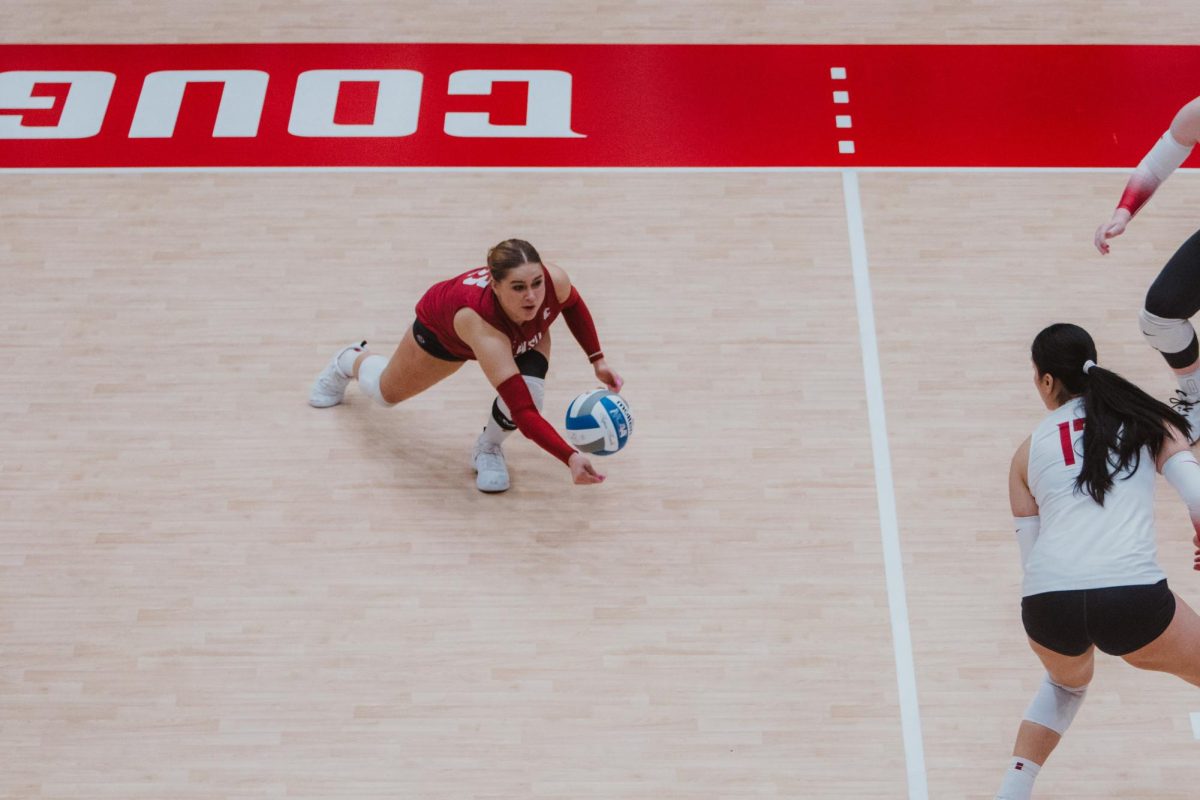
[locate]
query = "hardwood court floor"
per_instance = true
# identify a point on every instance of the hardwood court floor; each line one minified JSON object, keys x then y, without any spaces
{"x":959,"y":297}
{"x":208,"y":589}
{"x":211,"y":589}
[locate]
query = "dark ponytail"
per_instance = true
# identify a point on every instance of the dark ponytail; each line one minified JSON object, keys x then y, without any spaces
{"x":1121,"y":418}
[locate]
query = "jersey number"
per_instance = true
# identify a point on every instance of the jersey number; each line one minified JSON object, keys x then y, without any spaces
{"x":1064,"y":436}
{"x":479,"y":277}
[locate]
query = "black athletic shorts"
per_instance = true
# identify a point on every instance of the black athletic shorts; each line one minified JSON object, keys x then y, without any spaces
{"x":1117,"y":619}
{"x":430,"y":344}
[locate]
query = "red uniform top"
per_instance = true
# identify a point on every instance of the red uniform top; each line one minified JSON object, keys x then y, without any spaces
{"x":437,"y":307}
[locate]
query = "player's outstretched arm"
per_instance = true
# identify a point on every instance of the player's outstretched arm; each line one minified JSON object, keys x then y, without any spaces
{"x":1178,"y":465}
{"x":583,"y":327}
{"x":1167,"y":154}
{"x":494,"y":353}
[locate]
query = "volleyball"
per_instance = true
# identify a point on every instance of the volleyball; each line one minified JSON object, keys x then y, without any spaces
{"x":599,"y":422}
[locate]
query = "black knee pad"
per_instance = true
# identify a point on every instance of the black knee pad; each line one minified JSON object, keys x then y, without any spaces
{"x":504,"y":422}
{"x":533,"y":364}
{"x":1184,"y":359}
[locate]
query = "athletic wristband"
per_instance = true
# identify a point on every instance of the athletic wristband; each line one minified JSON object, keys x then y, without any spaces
{"x":1166,"y":156}
{"x":1136,"y":193}
{"x":1027,"y":534}
{"x":579,"y":320}
{"x":515,"y":394}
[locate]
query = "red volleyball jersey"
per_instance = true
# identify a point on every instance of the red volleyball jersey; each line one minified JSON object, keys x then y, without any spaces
{"x":437,"y":307}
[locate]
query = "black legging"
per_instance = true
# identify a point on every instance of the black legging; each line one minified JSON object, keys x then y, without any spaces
{"x":1175,"y":294}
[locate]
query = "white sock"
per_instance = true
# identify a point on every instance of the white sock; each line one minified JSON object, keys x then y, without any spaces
{"x":345,"y":362}
{"x":1018,"y":781}
{"x":1189,"y":382}
{"x":493,"y":433}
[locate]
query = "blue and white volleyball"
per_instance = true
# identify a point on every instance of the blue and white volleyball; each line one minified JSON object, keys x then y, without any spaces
{"x":599,"y":422}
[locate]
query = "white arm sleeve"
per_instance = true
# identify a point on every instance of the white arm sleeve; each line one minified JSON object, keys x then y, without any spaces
{"x":1027,"y":533}
{"x":1183,"y":473}
{"x":1164,"y":158}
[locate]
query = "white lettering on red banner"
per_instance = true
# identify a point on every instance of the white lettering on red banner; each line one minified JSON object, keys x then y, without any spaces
{"x":489,"y":105}
{"x":242,"y":94}
{"x":80,"y":108}
{"x":397,"y":103}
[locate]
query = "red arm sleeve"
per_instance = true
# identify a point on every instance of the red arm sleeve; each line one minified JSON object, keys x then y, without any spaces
{"x":530,"y":421}
{"x":1137,"y":192}
{"x":579,"y":320}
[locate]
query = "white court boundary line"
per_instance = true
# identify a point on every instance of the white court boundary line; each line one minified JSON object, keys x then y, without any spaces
{"x":885,"y":491}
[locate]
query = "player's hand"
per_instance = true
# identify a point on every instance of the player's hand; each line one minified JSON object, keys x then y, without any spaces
{"x":1114,"y":227}
{"x":582,"y":470}
{"x":608,"y":376}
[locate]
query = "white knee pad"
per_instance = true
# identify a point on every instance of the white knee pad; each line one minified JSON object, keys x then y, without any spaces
{"x":369,"y":372}
{"x":1166,"y":335}
{"x":537,"y":388}
{"x":1055,"y":706}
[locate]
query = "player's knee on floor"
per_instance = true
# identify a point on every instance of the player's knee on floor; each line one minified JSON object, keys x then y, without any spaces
{"x":370,"y":371}
{"x":1174,"y":338}
{"x":1055,"y":706}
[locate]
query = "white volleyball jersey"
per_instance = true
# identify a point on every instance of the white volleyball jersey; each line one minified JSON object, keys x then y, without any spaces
{"x":1083,"y":545}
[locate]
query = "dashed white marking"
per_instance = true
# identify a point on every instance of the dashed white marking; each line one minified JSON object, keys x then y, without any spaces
{"x":846,"y":146}
{"x":841,"y":97}
{"x":837,"y":73}
{"x":843,"y":121}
